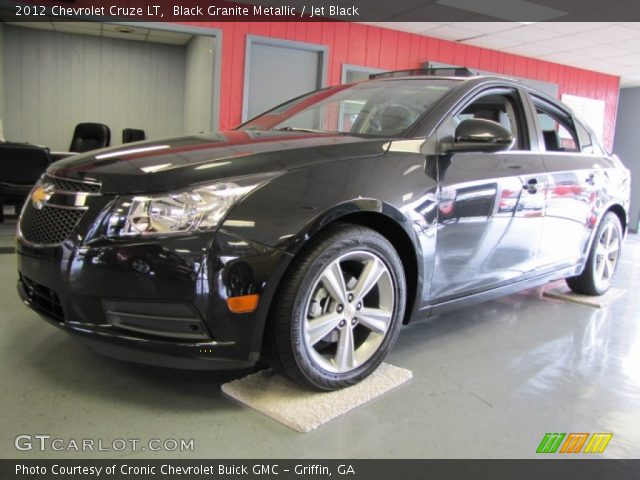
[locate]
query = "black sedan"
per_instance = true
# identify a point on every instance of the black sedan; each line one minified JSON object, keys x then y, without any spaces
{"x":307,"y":236}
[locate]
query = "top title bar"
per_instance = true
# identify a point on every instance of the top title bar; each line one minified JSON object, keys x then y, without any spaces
{"x":523,"y":11}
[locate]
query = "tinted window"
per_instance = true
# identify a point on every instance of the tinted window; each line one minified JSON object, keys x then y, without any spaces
{"x":587,"y":145}
{"x":557,"y":130}
{"x":499,"y":108}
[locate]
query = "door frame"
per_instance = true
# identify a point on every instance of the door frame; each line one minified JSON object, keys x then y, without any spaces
{"x":217,"y":60}
{"x":348,"y":67}
{"x":252,"y":40}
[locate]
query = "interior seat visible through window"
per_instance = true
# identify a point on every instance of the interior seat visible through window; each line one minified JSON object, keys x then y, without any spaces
{"x":558,"y":131}
{"x":396,"y":118}
{"x":497,"y":108}
{"x":551,"y":141}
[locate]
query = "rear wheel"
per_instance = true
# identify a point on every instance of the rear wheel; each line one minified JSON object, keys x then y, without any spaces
{"x":339,"y":310}
{"x":603,"y":259}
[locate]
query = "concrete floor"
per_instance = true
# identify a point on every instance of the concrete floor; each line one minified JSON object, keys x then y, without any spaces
{"x":489,"y":381}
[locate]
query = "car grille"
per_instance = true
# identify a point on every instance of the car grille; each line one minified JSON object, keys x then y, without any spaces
{"x":53,"y":224}
{"x":66,"y":185}
{"x":49,"y":226}
{"x":43,"y":298}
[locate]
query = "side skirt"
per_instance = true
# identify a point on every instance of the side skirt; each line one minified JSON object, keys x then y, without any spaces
{"x":496,"y":292}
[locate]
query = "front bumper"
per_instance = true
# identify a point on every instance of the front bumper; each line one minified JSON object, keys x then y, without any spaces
{"x":160,"y":302}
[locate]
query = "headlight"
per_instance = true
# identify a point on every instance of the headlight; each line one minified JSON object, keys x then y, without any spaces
{"x":200,"y":208}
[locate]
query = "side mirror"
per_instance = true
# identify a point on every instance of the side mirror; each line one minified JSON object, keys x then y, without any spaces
{"x":480,"y":135}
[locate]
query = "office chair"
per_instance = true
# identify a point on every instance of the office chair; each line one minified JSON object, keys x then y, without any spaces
{"x":90,"y":136}
{"x":21,"y":165}
{"x":132,"y":135}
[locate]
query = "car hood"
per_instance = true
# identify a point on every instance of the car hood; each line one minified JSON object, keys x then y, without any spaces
{"x":161,"y":165}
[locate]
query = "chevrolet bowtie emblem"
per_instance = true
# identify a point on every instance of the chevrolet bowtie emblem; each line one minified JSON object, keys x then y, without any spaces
{"x":40,"y":195}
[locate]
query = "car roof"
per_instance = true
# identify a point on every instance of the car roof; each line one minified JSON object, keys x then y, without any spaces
{"x":468,"y":82}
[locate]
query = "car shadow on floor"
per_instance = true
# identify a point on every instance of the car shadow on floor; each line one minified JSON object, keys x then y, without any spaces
{"x":433,"y":328}
{"x":69,"y":365}
{"x":62,"y":362}
{"x":69,"y":368}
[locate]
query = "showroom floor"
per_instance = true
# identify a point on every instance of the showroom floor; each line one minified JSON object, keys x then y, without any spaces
{"x":489,"y":381}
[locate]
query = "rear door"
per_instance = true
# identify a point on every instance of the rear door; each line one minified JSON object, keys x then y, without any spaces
{"x":490,"y":205}
{"x":571,"y":189}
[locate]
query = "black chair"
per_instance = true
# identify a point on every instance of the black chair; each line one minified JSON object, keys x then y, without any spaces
{"x":133,"y":135}
{"x":551,"y":141}
{"x":90,"y":136}
{"x":21,"y":165}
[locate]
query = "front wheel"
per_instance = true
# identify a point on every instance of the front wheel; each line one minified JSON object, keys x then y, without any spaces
{"x":339,"y":310}
{"x":603,"y":259}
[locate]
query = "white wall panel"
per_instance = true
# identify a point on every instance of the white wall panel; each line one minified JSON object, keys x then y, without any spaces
{"x":198,"y":102}
{"x":54,"y":81}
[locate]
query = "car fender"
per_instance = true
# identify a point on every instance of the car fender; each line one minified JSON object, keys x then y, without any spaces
{"x":291,"y":209}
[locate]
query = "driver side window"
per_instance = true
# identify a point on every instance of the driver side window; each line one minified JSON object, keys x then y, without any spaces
{"x":500,"y":108}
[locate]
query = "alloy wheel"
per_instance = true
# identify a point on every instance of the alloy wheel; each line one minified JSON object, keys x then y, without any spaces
{"x":606,"y":255}
{"x":349,"y":311}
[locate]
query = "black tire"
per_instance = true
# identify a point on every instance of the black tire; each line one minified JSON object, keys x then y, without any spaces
{"x":288,"y":331}
{"x":590,"y":282}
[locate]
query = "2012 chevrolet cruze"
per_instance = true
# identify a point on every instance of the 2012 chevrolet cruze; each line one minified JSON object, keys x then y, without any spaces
{"x":311,"y":233}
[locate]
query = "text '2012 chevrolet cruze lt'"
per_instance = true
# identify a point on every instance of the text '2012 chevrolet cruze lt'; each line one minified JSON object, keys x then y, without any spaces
{"x":310,"y":234}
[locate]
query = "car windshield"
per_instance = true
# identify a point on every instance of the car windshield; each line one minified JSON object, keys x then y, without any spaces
{"x":380,"y":109}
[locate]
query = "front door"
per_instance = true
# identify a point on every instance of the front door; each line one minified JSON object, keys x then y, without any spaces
{"x":490,"y":206}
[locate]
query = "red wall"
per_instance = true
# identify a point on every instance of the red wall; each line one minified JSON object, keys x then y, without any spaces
{"x":370,"y":46}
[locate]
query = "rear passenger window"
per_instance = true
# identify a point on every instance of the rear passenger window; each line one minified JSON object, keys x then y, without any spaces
{"x":586,"y":142}
{"x":558,"y":132}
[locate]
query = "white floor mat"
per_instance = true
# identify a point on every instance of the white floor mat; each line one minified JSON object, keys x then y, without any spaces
{"x":563,"y":293}
{"x":304,"y":410}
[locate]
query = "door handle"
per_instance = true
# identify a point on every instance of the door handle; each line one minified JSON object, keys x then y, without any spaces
{"x":591,"y":179}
